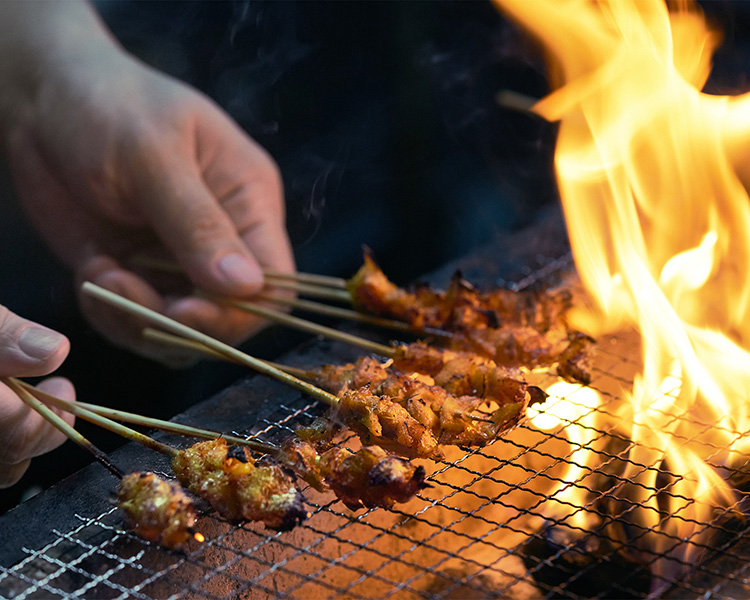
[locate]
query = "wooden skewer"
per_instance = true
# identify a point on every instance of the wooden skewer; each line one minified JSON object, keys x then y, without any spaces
{"x":516,"y":101}
{"x":315,"y":291}
{"x":322,"y":280}
{"x":173,"y":326}
{"x":304,"y":325}
{"x":103,"y":422}
{"x":349,"y":314}
{"x":177,"y":341}
{"x":28,"y":397}
{"x":308,"y":284}
{"x":168,"y":426}
{"x":318,"y":281}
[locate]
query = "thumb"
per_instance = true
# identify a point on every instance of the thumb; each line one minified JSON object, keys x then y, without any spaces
{"x":28,"y":349}
{"x":194,"y":226}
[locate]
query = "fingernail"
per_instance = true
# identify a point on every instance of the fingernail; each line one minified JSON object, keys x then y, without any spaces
{"x":238,"y":269}
{"x":39,"y":343}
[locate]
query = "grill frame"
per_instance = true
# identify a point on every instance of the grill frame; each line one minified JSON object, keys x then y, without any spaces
{"x":76,"y":547}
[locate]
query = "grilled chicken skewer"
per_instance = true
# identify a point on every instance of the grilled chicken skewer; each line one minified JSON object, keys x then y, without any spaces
{"x":156,"y":510}
{"x":461,"y":373}
{"x":509,"y":326}
{"x":381,"y":479}
{"x":379,"y":420}
{"x":450,"y":418}
{"x":228,"y":478}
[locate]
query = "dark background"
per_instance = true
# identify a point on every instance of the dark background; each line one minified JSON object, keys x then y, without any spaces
{"x":383,"y":119}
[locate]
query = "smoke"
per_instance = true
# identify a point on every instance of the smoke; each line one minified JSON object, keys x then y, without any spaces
{"x":262,"y":44}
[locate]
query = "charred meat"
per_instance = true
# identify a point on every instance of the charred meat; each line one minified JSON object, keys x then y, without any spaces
{"x":155,"y":509}
{"x":238,"y":487}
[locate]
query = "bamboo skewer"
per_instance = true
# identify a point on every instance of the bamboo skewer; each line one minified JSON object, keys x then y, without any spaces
{"x":29,"y":398}
{"x":135,"y":419}
{"x":103,"y":422}
{"x":173,"y":326}
{"x":323,"y":280}
{"x":174,"y":340}
{"x":307,"y":326}
{"x":349,"y":314}
{"x":307,"y":284}
{"x":317,"y":283}
{"x":177,"y":341}
{"x":309,"y":289}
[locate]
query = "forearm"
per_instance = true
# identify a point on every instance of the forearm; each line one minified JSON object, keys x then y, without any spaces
{"x":40,"y":39}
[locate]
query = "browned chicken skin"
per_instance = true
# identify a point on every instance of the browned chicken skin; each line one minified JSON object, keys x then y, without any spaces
{"x":409,"y":414}
{"x":511,"y":328}
{"x":155,"y":509}
{"x":370,"y":477}
{"x":238,"y":487}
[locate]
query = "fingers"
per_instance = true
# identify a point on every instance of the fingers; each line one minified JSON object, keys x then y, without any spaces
{"x":225,"y":323}
{"x":191,"y":223}
{"x":26,"y":434}
{"x":215,"y":201}
{"x":28,"y":349}
{"x":256,"y":205}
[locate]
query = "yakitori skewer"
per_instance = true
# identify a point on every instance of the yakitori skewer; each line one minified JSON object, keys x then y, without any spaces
{"x":232,"y":482}
{"x":348,"y":314}
{"x":376,"y":420}
{"x":307,"y":374}
{"x":369,"y":477}
{"x":308,"y":284}
{"x":155,"y":509}
{"x":379,"y":420}
{"x":335,"y":379}
{"x":460,"y":374}
{"x":28,"y":397}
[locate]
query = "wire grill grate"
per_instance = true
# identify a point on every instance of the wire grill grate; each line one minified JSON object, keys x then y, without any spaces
{"x":497,"y":522}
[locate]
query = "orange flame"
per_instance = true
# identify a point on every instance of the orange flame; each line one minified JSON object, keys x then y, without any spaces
{"x":650,"y":172}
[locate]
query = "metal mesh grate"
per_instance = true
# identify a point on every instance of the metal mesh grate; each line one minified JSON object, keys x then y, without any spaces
{"x":497,"y":522}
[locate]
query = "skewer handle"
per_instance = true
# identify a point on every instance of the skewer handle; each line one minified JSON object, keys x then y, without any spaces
{"x":225,"y":349}
{"x":59,"y":423}
{"x":308,"y":326}
{"x":162,"y":337}
{"x":103,"y":422}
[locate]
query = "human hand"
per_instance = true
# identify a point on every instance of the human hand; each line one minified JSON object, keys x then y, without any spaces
{"x":28,"y":350}
{"x":111,"y":159}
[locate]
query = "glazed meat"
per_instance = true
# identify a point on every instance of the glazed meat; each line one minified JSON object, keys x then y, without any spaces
{"x":370,"y":477}
{"x":460,"y":307}
{"x":511,"y":328}
{"x":155,"y":509}
{"x":380,"y":421}
{"x":464,"y":373}
{"x":238,"y":487}
{"x":373,"y":393}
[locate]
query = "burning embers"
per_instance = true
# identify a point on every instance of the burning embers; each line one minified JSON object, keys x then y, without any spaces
{"x":659,"y":223}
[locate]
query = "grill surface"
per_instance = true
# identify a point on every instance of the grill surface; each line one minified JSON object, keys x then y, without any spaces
{"x":496,"y":522}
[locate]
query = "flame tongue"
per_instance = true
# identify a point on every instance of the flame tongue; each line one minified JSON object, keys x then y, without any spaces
{"x":659,"y":224}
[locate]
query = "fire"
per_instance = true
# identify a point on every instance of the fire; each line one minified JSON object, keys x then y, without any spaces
{"x":650,"y":175}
